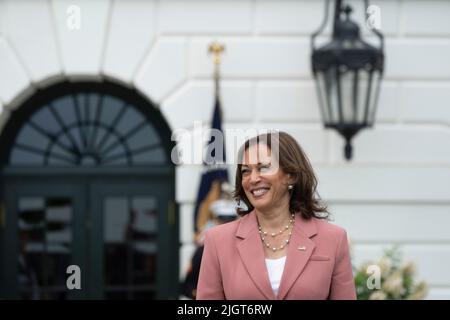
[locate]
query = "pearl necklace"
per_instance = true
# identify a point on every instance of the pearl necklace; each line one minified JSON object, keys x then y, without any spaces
{"x":263,"y":235}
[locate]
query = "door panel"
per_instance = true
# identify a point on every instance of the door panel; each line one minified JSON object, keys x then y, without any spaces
{"x":45,"y":246}
{"x":43,"y":233}
{"x":130,"y":234}
{"x":129,"y":246}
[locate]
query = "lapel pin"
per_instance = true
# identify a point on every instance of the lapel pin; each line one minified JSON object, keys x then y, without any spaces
{"x":302,"y":248}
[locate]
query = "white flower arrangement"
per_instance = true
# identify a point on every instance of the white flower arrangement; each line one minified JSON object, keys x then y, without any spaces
{"x":388,"y":279}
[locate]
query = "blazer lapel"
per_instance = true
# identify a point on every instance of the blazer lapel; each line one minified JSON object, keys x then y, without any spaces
{"x":300,"y":249}
{"x":252,"y":254}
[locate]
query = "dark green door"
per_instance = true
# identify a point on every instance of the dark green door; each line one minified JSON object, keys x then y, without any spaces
{"x":44,"y":234}
{"x":121,"y":232}
{"x":132,"y":230}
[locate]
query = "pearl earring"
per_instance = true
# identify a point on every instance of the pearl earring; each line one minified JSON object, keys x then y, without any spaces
{"x":290,"y":187}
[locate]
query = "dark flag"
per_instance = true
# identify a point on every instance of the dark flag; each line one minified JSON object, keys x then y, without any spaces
{"x":214,"y":173}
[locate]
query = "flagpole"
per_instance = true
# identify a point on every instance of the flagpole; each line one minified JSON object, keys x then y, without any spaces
{"x":216,"y":50}
{"x":214,"y":174}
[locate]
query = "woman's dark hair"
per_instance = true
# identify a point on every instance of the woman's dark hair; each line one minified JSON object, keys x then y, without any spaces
{"x":293,"y":161}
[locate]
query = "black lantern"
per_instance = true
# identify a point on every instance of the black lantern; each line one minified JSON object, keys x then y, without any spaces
{"x":347,"y":72}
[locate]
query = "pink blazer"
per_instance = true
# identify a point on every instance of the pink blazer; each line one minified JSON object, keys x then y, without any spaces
{"x":233,"y":264}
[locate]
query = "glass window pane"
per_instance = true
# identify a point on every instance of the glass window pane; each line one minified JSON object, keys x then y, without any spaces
{"x":146,"y":136}
{"x":59,"y":219}
{"x":155,"y":156}
{"x":129,"y":120}
{"x":20,"y":156}
{"x":130,"y":233}
{"x":46,"y":120}
{"x":63,"y":151}
{"x":109,"y":140}
{"x":116,"y":152}
{"x":45,"y":234}
{"x":83,"y":107}
{"x":146,"y":214}
{"x":100,"y":137}
{"x":145,"y":257}
{"x":116,"y":219}
{"x":144,"y":228}
{"x":30,"y":137}
{"x":65,"y":108}
{"x":76,"y":136}
{"x":79,"y":133}
{"x":111,"y":108}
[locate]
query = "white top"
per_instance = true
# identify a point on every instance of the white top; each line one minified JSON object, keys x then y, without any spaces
{"x":275,"y":269}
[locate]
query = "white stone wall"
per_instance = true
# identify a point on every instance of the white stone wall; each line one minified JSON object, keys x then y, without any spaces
{"x":396,"y":189}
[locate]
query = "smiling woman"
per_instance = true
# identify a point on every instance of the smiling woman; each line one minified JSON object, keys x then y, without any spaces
{"x":272,"y":152}
{"x":283,"y":246}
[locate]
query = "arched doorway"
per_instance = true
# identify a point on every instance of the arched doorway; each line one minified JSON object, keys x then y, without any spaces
{"x":87,"y":180}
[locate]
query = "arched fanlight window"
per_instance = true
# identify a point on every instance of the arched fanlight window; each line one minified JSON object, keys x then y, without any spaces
{"x":87,"y":128}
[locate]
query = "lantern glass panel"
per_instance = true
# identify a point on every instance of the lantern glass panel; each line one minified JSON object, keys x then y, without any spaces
{"x":322,"y":89}
{"x":354,"y":92}
{"x":348,"y":88}
{"x":374,"y":95}
{"x":328,"y":92}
